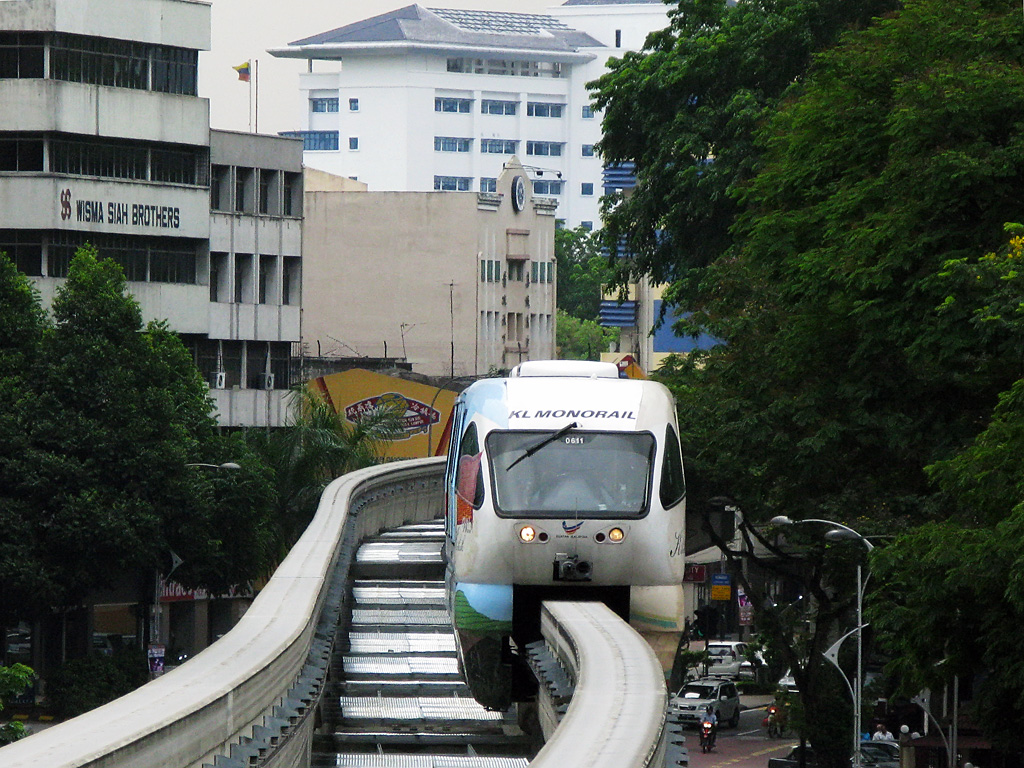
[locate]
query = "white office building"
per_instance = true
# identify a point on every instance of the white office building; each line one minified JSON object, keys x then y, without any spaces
{"x":424,"y":99}
{"x":103,"y":139}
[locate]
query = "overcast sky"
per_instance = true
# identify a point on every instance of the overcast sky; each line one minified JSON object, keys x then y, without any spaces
{"x":245,"y":29}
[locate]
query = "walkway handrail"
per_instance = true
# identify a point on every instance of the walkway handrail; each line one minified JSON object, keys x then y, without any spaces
{"x":616,"y":718}
{"x":189,"y":716}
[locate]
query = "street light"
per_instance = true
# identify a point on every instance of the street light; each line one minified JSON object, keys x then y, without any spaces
{"x":230,"y":465}
{"x":842,"y":532}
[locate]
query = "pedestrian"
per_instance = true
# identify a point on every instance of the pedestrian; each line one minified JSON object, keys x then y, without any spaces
{"x":882,"y":733}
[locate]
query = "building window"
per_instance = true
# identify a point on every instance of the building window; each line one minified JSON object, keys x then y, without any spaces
{"x":588,"y":150}
{"x":542,"y":271}
{"x":516,"y":271}
{"x":545,"y":187}
{"x":353,"y":105}
{"x":543,"y":109}
{"x":290,"y":281}
{"x":175,"y":70}
{"x":291,"y":195}
{"x":313,"y":141}
{"x":587,"y":225}
{"x":324,"y":105}
{"x":447,"y":104}
{"x":353,"y":142}
{"x":496,"y":107}
{"x":25,"y":248}
{"x":21,"y":54}
{"x":498,"y":146}
{"x":129,"y":160}
{"x":452,"y":183}
{"x":488,"y":184}
{"x":587,"y":189}
{"x":263,"y":201}
{"x":514,"y":327}
{"x":123,"y":64}
{"x":152,"y":259}
{"x":618,"y":38}
{"x":452,"y":144}
{"x":587,"y":112}
{"x":506,"y":67}
{"x":490,"y":271}
{"x":21,"y":152}
{"x":547,"y":148}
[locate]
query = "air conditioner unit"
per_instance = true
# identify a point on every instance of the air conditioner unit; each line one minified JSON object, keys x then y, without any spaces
{"x":266,"y":381}
{"x":218,"y":380}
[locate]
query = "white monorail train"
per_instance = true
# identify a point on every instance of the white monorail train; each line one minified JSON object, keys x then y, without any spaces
{"x":563,"y":482}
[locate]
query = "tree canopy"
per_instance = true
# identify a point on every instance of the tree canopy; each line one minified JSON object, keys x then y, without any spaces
{"x":830,"y":227}
{"x":105,"y":413}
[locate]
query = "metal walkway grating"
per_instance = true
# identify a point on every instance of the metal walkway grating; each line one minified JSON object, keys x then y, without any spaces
{"x":401,"y":642}
{"x":448,"y":709}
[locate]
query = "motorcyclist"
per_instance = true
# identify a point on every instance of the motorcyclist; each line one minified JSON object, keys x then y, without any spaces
{"x":710,"y":716}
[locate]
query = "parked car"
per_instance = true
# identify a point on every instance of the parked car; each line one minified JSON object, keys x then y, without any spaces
{"x":690,"y":703}
{"x":749,"y":670}
{"x":787,"y":682}
{"x":727,"y":657}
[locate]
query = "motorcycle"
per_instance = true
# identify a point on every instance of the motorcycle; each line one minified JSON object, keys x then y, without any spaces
{"x":707,"y":736}
{"x":775,"y":721}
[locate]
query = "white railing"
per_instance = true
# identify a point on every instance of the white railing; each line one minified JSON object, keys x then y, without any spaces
{"x":616,"y":718}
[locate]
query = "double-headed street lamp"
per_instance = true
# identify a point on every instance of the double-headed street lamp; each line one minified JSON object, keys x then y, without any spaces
{"x":842,"y":532}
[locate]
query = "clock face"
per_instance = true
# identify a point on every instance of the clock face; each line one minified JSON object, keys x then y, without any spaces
{"x":518,"y":193}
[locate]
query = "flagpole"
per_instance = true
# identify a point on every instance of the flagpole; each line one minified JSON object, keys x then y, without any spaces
{"x":256,"y":77}
{"x":250,"y":105}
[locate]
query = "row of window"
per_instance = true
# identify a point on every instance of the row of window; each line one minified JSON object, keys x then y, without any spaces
{"x":106,"y":158}
{"x":254,"y":278}
{"x":331,"y":104}
{"x":515,"y":324}
{"x":143,"y":259}
{"x":268,"y":192}
{"x":241,"y":363}
{"x":499,"y":146}
{"x":502,"y":107}
{"x":489,"y":184}
{"x":506,"y":67}
{"x":329,"y":141}
{"x":540,"y":271}
{"x":99,"y":61}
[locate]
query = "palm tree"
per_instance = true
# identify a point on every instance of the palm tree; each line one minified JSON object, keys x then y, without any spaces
{"x":317,"y":446}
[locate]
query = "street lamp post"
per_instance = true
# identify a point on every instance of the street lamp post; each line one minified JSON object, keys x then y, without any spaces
{"x":229,"y":465}
{"x":842,"y":532}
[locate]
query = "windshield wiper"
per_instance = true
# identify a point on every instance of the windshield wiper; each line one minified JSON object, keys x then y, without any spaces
{"x":549,"y":439}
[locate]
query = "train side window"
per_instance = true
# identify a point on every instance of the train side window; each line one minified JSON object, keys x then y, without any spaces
{"x":673,"y":484}
{"x":470,"y":481}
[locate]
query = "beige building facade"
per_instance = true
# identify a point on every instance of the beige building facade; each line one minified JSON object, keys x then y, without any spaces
{"x":455,"y":283}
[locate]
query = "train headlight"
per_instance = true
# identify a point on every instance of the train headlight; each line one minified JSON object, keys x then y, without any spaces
{"x":616,"y":535}
{"x":527,"y":534}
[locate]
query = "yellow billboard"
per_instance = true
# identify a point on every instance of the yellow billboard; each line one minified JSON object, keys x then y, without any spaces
{"x":424,"y":418}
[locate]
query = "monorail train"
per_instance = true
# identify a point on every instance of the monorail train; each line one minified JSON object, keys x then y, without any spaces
{"x":563,"y":481}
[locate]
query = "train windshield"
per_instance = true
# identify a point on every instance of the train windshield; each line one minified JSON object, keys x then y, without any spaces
{"x":590,"y":474}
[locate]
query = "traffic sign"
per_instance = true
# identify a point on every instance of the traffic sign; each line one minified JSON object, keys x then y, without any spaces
{"x":721,"y":586}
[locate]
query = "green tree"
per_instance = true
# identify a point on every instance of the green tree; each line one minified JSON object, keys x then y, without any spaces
{"x":108,"y":414}
{"x":578,"y":339}
{"x":13,"y":681}
{"x":582,"y":270}
{"x":846,"y":372}
{"x":952,"y":588}
{"x":685,"y":110}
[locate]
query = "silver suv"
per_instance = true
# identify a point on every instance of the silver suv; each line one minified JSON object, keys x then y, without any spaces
{"x":693,"y":699}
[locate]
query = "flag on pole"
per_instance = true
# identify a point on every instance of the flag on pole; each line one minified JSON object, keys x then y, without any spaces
{"x":243,"y":71}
